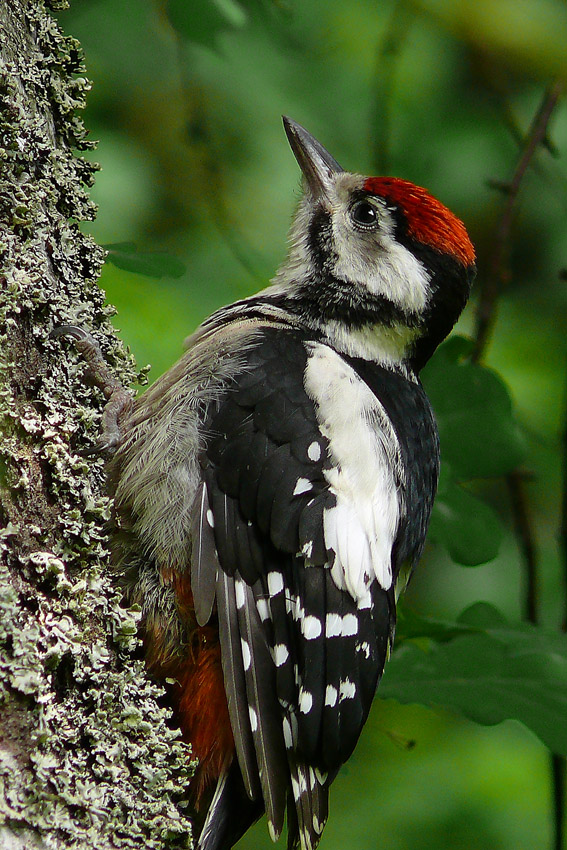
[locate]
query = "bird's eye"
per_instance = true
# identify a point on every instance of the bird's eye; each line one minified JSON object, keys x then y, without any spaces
{"x":364,"y":215}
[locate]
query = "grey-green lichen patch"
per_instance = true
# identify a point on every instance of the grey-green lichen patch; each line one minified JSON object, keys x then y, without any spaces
{"x":101,"y":767}
{"x":87,"y":755}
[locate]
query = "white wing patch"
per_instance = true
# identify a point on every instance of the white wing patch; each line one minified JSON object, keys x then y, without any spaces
{"x":362,"y":526}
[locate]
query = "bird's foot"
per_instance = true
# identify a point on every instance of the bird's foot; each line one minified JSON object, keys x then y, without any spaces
{"x":119,"y":399}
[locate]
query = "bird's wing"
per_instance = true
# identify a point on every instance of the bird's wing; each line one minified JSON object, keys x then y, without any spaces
{"x":301,"y":658}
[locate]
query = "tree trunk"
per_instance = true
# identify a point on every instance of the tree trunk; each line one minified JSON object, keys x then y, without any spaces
{"x":87,"y":759}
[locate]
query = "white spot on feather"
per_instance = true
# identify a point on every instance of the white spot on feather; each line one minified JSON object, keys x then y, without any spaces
{"x":296,"y":610}
{"x":275,"y":583}
{"x":331,"y":695}
{"x":314,"y":451}
{"x":263,"y":609}
{"x":307,"y":549}
{"x":280,"y":654}
{"x":210,"y":518}
{"x":253,"y":718}
{"x":347,"y":690}
{"x":288,"y":738}
{"x":364,"y":648}
{"x":246,"y":658}
{"x":311,"y":627}
{"x":349,"y":625}
{"x":333,"y":625}
{"x":303,"y":485}
{"x":337,"y":626}
{"x":239,"y":593}
{"x":305,"y":701}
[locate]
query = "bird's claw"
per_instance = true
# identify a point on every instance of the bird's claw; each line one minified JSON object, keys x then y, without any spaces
{"x":119,"y":399}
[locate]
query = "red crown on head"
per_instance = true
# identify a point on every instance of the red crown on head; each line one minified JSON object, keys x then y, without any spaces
{"x":429,"y":221}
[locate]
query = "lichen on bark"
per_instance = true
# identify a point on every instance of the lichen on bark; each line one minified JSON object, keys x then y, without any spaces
{"x":87,"y":755}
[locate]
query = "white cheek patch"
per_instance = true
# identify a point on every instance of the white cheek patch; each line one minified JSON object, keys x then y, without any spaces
{"x":378,"y":263}
{"x":361,"y":528}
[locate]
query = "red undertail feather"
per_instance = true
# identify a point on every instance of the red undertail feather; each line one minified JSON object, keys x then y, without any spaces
{"x":197,"y":693}
{"x":203,"y":711}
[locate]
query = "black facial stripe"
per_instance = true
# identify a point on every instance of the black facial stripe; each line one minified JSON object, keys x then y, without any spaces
{"x":328,"y":298}
{"x":321,"y":242}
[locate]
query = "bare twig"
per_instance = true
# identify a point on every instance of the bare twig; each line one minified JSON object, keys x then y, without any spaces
{"x":558,"y":762}
{"x":563,"y":522}
{"x":498,"y":272}
{"x":525,"y":535}
{"x":495,"y":281}
{"x":526,"y":540}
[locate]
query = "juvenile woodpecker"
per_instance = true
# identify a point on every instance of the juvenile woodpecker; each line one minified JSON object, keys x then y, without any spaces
{"x":271,"y":485}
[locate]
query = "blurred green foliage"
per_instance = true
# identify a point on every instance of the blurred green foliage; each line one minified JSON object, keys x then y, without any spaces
{"x":196,"y":172}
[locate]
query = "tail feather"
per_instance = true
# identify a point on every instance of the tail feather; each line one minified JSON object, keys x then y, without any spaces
{"x":230,"y":814}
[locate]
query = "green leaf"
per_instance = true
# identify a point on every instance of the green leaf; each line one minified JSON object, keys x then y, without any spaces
{"x":124,"y":255}
{"x":411,"y":625}
{"x":203,"y":22}
{"x":496,"y":671}
{"x":477,"y":618}
{"x":479,"y":434}
{"x":471,"y":531}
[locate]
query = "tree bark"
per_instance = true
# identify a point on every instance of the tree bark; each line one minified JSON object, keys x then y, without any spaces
{"x":87,"y":756}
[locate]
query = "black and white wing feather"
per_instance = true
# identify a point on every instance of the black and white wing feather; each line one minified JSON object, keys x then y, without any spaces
{"x":298,"y":537}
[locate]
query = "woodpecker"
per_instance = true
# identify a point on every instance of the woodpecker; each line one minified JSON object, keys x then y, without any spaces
{"x":271,"y":488}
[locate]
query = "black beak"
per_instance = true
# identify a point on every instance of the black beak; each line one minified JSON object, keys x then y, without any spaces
{"x":317,"y":164}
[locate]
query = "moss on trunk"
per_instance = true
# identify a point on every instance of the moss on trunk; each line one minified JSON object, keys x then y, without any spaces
{"x":87,"y":758}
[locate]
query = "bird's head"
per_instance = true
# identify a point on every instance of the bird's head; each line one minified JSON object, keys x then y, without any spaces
{"x":375,"y":263}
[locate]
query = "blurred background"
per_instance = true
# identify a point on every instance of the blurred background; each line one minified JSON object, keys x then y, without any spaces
{"x":186,"y":104}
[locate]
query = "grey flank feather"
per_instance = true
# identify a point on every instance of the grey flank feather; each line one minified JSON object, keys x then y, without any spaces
{"x":204,"y":558}
{"x":234,"y":682}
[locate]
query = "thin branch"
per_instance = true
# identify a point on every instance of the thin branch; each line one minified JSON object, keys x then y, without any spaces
{"x":558,"y":762}
{"x":495,"y":282}
{"x":498,"y":272}
{"x":526,"y":540}
{"x":563,"y":523}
